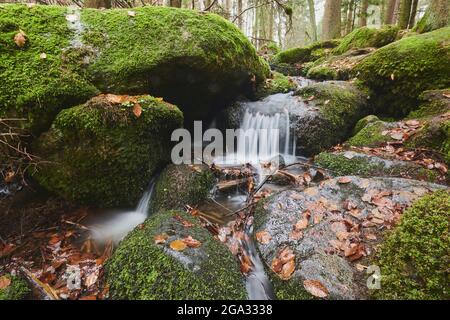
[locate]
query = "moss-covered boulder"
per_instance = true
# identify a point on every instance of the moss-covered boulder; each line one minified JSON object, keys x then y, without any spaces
{"x":17,"y":288}
{"x":338,"y":67}
{"x":362,"y":123}
{"x":373,"y":134}
{"x":329,"y":229}
{"x":330,"y":111}
{"x":142,"y":269}
{"x":277,"y":83}
{"x":105,"y":151}
{"x":365,"y":37}
{"x":358,"y":163}
{"x":189,"y":58}
{"x":432,"y":103}
{"x":290,"y":61}
{"x":180,"y":185}
{"x":414,"y":259}
{"x":399,"y":72}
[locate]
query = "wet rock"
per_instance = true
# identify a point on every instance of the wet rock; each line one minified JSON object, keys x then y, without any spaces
{"x":105,"y":151}
{"x":145,"y":270}
{"x":345,"y":218}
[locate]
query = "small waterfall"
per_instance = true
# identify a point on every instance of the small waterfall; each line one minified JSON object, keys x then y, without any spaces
{"x":120,"y":224}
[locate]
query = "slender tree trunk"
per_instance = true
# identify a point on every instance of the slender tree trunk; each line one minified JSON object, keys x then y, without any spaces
{"x":175,"y":3}
{"x":363,"y":13}
{"x":405,"y":12}
{"x":332,"y":19}
{"x":344,"y":16}
{"x":436,"y":16}
{"x":389,"y":13}
{"x":97,"y":4}
{"x":239,"y":10}
{"x":349,"y":21}
{"x":312,"y":19}
{"x":412,"y":16}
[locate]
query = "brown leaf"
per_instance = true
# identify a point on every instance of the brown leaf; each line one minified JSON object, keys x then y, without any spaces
{"x":137,"y":110}
{"x":397,"y":135}
{"x":316,"y":288}
{"x":160,"y":238}
{"x":344,"y":180}
{"x":263,"y":237}
{"x":4,"y":282}
{"x":191,"y":242}
{"x":131,"y":13}
{"x":20,"y":39}
{"x":43,"y":56}
{"x":246,"y":264}
{"x":91,"y":297}
{"x":287,"y":270}
{"x":178,"y":245}
{"x":286,"y":255}
{"x":296,"y":235}
{"x":301,"y":224}
{"x":276,"y":265}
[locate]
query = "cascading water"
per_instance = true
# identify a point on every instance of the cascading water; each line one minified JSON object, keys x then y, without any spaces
{"x":120,"y":224}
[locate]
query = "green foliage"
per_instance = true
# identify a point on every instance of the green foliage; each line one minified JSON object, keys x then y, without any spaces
{"x":367,"y":37}
{"x":415,"y":257}
{"x":179,"y":185}
{"x":17,"y":290}
{"x":322,"y":73}
{"x":102,"y":154}
{"x":397,"y":73}
{"x":143,"y":270}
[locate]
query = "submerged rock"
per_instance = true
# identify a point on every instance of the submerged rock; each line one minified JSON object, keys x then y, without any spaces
{"x":142,"y":269}
{"x":193,"y":59}
{"x":332,"y":110}
{"x":181,"y":185}
{"x":397,"y":73}
{"x":329,"y":229}
{"x":104,"y":152}
{"x":414,"y":257}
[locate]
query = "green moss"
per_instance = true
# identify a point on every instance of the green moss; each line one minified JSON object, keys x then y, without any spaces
{"x":433,"y":103}
{"x":399,"y":72}
{"x":143,"y":270}
{"x":367,"y":37}
{"x":17,"y":290}
{"x":370,"y":136}
{"x":188,"y":57}
{"x":180,"y":185}
{"x":415,"y":257}
{"x":322,"y":73}
{"x":364,"y":122}
{"x":279,"y":83}
{"x":100,"y":153}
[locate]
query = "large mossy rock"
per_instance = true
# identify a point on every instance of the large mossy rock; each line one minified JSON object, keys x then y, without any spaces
{"x":105,"y":151}
{"x":291,"y":61}
{"x":181,"y":185}
{"x":189,"y":58}
{"x":365,"y":37}
{"x":332,"y":110}
{"x":339,"y":224}
{"x":141,"y":269}
{"x":414,"y":259}
{"x":17,"y":289}
{"x":399,"y":72}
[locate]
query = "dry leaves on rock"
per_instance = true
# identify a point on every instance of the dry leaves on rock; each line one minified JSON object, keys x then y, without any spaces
{"x":316,"y":288}
{"x":160,"y":238}
{"x":284,"y":263}
{"x":178,"y":245}
{"x":263,"y":237}
{"x":4,"y":282}
{"x":191,"y":242}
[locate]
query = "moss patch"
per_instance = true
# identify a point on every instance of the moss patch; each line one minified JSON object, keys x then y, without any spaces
{"x":399,"y":72}
{"x":371,"y":135}
{"x":17,"y":290}
{"x":100,"y":153}
{"x":415,"y":257}
{"x":143,"y":270}
{"x":179,"y":185}
{"x":367,"y":37}
{"x":279,"y":83}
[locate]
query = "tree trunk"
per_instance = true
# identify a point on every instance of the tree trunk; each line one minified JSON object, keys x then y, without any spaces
{"x":405,"y":12}
{"x":363,"y":13}
{"x":349,"y":21}
{"x":436,"y":16}
{"x":389,"y":14}
{"x":97,"y":4}
{"x":239,"y":10}
{"x":332,"y":20}
{"x":412,"y":16}
{"x":175,"y":3}
{"x":312,"y":19}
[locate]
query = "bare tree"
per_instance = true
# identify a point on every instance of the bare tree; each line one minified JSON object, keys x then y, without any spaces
{"x":97,"y":4}
{"x":363,"y":13}
{"x":404,"y":14}
{"x":312,"y":19}
{"x":389,"y":13}
{"x":175,"y":3}
{"x":332,"y":20}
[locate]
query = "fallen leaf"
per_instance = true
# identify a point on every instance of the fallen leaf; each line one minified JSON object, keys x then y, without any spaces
{"x":392,"y":77}
{"x":91,"y":279}
{"x":344,"y":180}
{"x":316,"y":288}
{"x":295,"y":235}
{"x":397,"y":135}
{"x":287,"y":270}
{"x":191,"y":242}
{"x":301,"y":224}
{"x":276,"y":265}
{"x":20,"y":39}
{"x":160,"y":238}
{"x":4,"y":282}
{"x":286,"y":255}
{"x":91,"y":297}
{"x":43,"y":56}
{"x":137,"y":110}
{"x":131,"y":13}
{"x":178,"y":245}
{"x":263,"y":237}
